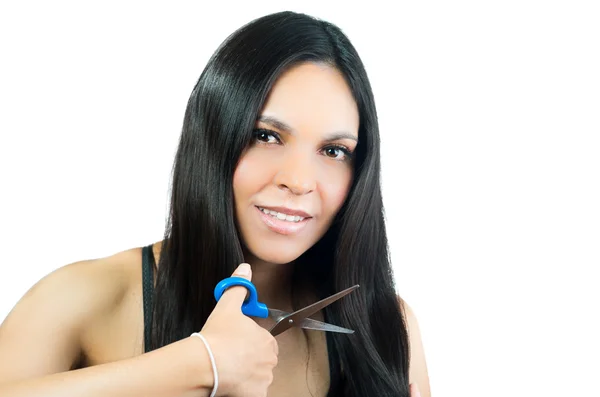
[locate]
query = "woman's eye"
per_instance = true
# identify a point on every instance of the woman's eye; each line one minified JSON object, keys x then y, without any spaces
{"x":336,"y":153}
{"x":265,"y":137}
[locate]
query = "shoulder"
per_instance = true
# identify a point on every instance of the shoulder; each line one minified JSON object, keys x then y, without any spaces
{"x":94,"y":284}
{"x":418,"y":366}
{"x":42,"y":333}
{"x":409,"y":317}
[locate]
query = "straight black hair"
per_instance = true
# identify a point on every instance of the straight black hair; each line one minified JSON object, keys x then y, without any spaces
{"x":202,"y":244}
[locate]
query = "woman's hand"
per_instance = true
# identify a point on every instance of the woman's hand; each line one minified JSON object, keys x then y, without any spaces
{"x":245,"y":353}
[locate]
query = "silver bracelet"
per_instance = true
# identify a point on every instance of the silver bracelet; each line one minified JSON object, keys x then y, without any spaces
{"x":212,"y":362}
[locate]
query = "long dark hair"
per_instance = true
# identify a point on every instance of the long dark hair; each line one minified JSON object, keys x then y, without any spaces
{"x":202,"y":244}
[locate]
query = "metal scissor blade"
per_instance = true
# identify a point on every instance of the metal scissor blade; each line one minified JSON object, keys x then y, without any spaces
{"x":277,"y":315}
{"x":296,"y":317}
{"x":309,"y":323}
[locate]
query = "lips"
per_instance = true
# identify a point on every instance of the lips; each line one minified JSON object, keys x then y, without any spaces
{"x":281,"y":226}
{"x":287,"y":211}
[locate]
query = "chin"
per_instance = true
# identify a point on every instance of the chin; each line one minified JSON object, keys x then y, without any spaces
{"x":276,"y":257}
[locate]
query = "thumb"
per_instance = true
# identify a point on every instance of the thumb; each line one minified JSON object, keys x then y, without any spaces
{"x":243,"y":270}
{"x":236,"y":295}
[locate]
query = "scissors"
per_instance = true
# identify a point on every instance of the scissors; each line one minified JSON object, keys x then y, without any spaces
{"x":283,"y":320}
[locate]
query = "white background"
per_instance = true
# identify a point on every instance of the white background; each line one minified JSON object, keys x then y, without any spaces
{"x":489,"y":115}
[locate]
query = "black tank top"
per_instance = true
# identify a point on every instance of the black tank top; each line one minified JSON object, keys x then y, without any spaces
{"x":148,"y":266}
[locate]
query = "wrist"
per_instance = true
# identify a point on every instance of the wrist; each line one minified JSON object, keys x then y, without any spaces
{"x":213,"y":364}
{"x":198,"y":364}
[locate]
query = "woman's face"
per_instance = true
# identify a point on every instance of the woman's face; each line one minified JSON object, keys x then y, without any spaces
{"x":294,"y":177}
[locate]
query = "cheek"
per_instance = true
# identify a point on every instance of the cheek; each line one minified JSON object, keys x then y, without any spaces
{"x":335,"y":187}
{"x":239,"y":176}
{"x":250,"y":176}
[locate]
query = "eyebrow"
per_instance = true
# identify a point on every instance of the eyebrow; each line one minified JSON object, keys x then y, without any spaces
{"x":282,"y":126}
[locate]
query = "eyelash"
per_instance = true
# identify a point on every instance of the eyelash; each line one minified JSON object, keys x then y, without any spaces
{"x":259,"y":131}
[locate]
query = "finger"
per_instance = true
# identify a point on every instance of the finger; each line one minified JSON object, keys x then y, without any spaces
{"x":236,"y":295}
{"x":414,"y":390}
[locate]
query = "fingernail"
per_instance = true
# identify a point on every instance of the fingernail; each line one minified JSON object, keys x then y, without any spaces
{"x":243,"y":269}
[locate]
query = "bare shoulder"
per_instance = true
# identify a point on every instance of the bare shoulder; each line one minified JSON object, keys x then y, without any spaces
{"x":42,"y":334}
{"x":418,"y":366}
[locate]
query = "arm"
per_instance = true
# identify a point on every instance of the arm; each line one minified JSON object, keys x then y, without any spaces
{"x":40,"y":343}
{"x":179,"y":369}
{"x":418,"y":367}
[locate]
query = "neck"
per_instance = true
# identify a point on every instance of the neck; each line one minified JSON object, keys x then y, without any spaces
{"x":273,"y":282}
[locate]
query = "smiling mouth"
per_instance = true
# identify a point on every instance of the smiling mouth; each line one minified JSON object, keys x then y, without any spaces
{"x":282,"y":216}
{"x":281,"y":223}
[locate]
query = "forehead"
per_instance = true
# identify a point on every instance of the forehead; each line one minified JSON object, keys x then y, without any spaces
{"x":314,"y":97}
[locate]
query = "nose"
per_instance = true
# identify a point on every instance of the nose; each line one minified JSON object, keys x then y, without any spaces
{"x":297,"y":174}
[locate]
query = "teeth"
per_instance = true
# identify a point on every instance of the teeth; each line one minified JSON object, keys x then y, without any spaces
{"x":281,"y":216}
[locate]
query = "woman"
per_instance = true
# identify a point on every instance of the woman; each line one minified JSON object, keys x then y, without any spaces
{"x":278,"y":169}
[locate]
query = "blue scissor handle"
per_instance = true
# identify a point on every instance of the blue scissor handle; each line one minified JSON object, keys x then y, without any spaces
{"x":251,"y":307}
